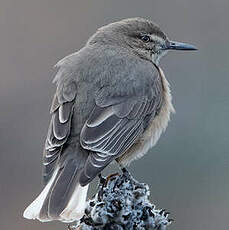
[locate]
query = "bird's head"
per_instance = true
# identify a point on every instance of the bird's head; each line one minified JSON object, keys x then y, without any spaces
{"x":141,"y":36}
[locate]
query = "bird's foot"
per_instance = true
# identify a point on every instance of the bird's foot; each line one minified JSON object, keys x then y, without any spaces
{"x":102,"y":179}
{"x":110,"y":177}
{"x":125,"y":171}
{"x":103,"y":183}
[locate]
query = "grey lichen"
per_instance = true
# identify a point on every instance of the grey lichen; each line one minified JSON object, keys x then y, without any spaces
{"x":122,"y":203}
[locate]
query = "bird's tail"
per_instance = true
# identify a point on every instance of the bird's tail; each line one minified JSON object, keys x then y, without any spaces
{"x":63,"y":198}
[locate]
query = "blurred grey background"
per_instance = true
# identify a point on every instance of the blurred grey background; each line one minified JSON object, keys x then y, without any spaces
{"x":188,"y":169}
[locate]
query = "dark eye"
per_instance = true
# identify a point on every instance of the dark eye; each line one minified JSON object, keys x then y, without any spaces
{"x":145,"y":38}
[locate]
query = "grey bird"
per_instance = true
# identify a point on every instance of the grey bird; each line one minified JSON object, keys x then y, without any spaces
{"x":112,"y":103}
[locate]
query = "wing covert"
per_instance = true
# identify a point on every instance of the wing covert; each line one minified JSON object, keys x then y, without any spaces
{"x":114,"y":125}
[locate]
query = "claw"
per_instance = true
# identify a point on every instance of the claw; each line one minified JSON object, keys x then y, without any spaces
{"x":103,"y":183}
{"x":102,"y":179}
{"x":125,"y":171}
{"x":109,"y":177}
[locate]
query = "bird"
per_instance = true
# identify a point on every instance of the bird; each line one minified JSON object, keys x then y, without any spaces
{"x":112,"y":103}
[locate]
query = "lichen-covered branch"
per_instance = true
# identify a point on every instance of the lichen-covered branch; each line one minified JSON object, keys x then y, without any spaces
{"x":122,"y":203}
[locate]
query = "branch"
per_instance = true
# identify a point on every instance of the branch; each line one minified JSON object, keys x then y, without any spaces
{"x":122,"y":203}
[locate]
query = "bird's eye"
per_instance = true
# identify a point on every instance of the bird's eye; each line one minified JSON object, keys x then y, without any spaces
{"x":145,"y":38}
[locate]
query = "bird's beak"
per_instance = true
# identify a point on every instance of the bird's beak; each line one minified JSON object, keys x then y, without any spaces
{"x":172,"y":45}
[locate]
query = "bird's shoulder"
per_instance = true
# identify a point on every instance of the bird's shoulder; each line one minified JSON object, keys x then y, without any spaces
{"x":125,"y":74}
{"x":107,"y":71}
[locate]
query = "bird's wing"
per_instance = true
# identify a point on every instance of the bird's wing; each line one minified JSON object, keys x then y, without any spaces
{"x":59,"y":128}
{"x":115,"y":123}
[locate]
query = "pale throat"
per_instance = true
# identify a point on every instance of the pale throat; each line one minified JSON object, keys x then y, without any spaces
{"x":157,"y":56}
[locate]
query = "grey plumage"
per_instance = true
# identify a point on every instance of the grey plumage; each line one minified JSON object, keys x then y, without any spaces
{"x":119,"y":117}
{"x":108,"y":94}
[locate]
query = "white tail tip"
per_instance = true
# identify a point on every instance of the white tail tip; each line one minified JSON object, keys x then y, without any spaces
{"x":72,"y":212}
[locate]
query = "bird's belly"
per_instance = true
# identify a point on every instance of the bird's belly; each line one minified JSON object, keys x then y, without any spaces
{"x":153,"y":132}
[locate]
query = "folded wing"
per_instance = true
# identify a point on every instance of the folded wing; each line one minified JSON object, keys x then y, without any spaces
{"x":114,"y":125}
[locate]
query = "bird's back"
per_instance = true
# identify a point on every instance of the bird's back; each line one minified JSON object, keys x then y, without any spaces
{"x":94,"y":68}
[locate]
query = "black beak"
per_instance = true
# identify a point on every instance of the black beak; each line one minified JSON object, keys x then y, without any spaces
{"x":172,"y":45}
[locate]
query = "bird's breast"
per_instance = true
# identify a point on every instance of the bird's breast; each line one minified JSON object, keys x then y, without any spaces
{"x":155,"y":128}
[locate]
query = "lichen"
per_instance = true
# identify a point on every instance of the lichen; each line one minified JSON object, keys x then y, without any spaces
{"x":122,"y":203}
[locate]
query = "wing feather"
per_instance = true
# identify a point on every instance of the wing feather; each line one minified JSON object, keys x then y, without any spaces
{"x":60,"y":126}
{"x":60,"y":130}
{"x":114,"y":125}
